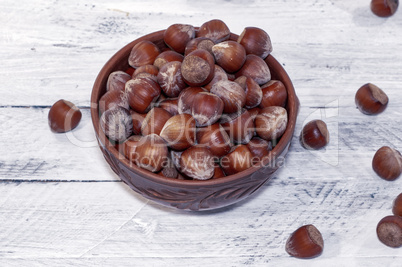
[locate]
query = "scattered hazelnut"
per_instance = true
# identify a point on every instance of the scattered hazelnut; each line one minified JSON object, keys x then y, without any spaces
{"x":179,"y":131}
{"x":215,"y":29}
{"x":117,"y":80}
{"x":151,"y":153}
{"x":314,"y":135}
{"x":305,"y":242}
{"x":117,"y":124}
{"x":389,"y":231}
{"x":198,"y":163}
{"x":198,"y":68}
{"x":177,"y":36}
{"x":387,"y":163}
{"x":271,"y":122}
{"x":273,"y":94}
{"x":370,"y":99}
{"x":255,"y":41}
{"x":239,"y":159}
{"x":143,"y":53}
{"x":154,"y":121}
{"x":397,"y":206}
{"x":63,"y":116}
{"x":207,"y":108}
{"x":384,"y":8}
{"x":230,"y":55}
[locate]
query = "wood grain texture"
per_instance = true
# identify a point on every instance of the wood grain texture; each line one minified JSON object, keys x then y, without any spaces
{"x":61,"y":205}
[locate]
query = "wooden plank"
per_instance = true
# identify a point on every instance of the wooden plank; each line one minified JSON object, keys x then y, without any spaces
{"x":96,"y":222}
{"x":57,"y":65}
{"x":37,"y":153}
{"x":32,"y":152}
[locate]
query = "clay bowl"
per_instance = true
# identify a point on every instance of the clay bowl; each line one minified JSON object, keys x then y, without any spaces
{"x":191,"y":194}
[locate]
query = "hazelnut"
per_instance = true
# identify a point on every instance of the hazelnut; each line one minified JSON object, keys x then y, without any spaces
{"x":239,"y":126}
{"x":215,"y":138}
{"x":389,"y":231}
{"x":117,"y":80}
{"x":215,"y":29}
{"x":63,"y":116}
{"x":254,"y":112}
{"x":397,"y":206}
{"x":130,"y":145}
{"x":179,"y":131}
{"x":207,"y":108}
{"x":130,"y":71}
{"x":271,"y":122}
{"x":154,"y":121}
{"x":218,"y":172}
{"x":137,"y":118}
{"x":259,"y":149}
{"x":305,"y":242}
{"x":149,"y":69}
{"x":170,"y":79}
{"x":151,"y":153}
{"x":199,"y":43}
{"x":117,"y":124}
{"x":219,"y":75}
{"x":186,"y":98}
{"x":232,"y":95}
{"x":169,"y":170}
{"x":170,"y":105}
{"x":143,"y":53}
{"x":198,"y":163}
{"x":314,"y":135}
{"x":112,"y":99}
{"x":230,"y":55}
{"x":273,"y":94}
{"x":387,"y":163}
{"x":255,"y":41}
{"x":239,"y":159}
{"x":384,"y":8}
{"x":177,"y":36}
{"x":167,"y":56}
{"x":198,"y":68}
{"x":142,"y":93}
{"x":370,"y":99}
{"x":252,"y":89}
{"x":255,"y":68}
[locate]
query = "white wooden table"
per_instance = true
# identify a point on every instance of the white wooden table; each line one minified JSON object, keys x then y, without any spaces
{"x":61,"y":205}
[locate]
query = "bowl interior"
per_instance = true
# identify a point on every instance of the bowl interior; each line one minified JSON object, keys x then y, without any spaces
{"x":119,"y":61}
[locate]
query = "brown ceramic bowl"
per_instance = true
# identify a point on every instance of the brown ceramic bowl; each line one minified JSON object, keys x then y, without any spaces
{"x":191,"y":194}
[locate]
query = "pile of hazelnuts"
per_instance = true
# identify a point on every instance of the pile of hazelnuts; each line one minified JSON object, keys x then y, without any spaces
{"x":204,"y":106}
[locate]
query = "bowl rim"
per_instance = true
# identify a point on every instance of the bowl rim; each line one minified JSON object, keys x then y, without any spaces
{"x":292,"y":107}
